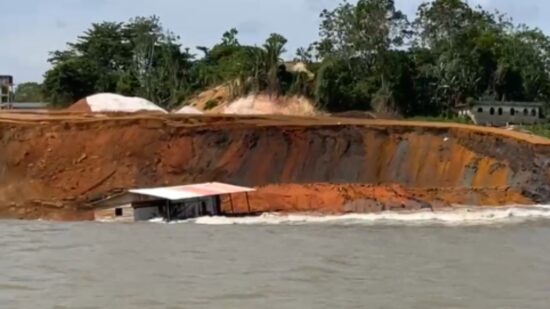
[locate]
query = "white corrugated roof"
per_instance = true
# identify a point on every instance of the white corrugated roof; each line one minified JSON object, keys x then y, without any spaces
{"x":192,"y":191}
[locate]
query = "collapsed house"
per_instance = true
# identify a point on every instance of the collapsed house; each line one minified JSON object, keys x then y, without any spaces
{"x":169,"y":203}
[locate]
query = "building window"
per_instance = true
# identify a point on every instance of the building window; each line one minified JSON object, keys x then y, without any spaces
{"x":492,"y":111}
{"x":119,"y":212}
{"x":513,"y":112}
{"x":480,"y":110}
{"x":534,"y":112}
{"x":525,"y":112}
{"x":500,"y":111}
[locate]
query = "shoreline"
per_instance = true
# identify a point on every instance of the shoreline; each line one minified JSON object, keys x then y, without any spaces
{"x":313,"y":199}
{"x":457,"y":215}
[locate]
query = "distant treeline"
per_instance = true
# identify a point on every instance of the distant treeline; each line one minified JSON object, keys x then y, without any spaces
{"x":369,"y":56}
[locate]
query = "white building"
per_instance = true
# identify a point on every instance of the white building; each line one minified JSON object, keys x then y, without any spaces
{"x":503,"y":113}
{"x":6,"y":88}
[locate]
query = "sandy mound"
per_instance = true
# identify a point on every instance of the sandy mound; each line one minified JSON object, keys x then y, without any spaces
{"x":189,"y":110}
{"x":219,"y":94}
{"x":110,"y":102}
{"x":81,"y":106}
{"x":271,"y":105}
{"x":218,"y":100}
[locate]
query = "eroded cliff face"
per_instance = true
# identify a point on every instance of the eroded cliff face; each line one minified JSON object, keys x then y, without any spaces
{"x":64,"y":158}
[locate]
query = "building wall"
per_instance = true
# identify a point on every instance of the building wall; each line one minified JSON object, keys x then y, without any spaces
{"x":147,"y":213}
{"x":501,"y":115}
{"x":147,"y":210}
{"x":192,"y":208}
{"x":110,"y":214}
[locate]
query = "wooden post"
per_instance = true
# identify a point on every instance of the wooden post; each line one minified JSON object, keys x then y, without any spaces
{"x":168,"y":214}
{"x":248,"y":203}
{"x":231,"y":201}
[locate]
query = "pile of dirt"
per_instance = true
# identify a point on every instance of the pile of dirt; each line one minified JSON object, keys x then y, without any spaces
{"x":114,"y":103}
{"x":212,"y":100}
{"x":271,"y":105}
{"x":189,"y":110}
{"x":218,"y":100}
{"x":54,"y":160}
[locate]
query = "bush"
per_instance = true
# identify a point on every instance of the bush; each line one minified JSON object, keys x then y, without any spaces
{"x":211,"y":104}
{"x":453,"y":119}
{"x":542,"y":129}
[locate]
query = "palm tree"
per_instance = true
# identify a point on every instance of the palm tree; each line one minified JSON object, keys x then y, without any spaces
{"x":274,"y":48}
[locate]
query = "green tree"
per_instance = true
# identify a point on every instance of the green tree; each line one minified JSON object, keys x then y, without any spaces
{"x":523,"y":66}
{"x":159,"y":64}
{"x":134,"y":58}
{"x":274,"y":47}
{"x":368,"y":57}
{"x":230,"y":38}
{"x":338,"y":89}
{"x":464,"y":43}
{"x":356,"y":41}
{"x":29,"y":92}
{"x":365,"y":30}
{"x":69,"y":81}
{"x":479,"y":54}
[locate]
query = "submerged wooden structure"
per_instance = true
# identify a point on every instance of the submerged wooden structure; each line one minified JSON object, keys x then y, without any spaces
{"x":169,"y":203}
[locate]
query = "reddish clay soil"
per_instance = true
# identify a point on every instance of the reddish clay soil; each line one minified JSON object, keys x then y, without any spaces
{"x":81,"y":106}
{"x":51,"y":165}
{"x":361,"y":198}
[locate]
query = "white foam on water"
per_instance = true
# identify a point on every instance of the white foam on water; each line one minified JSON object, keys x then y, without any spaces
{"x":452,"y":217}
{"x":157,"y":220}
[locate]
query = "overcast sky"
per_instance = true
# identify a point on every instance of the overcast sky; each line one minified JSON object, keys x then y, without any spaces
{"x":32,"y":28}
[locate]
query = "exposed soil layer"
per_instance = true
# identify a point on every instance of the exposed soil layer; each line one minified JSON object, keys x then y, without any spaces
{"x":361,"y":198}
{"x":64,"y":157}
{"x":81,"y":106}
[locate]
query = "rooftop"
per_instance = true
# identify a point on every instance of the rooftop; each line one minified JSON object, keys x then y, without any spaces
{"x":191,"y":191}
{"x":509,"y":103}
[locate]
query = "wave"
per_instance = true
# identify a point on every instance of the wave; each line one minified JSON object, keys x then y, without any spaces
{"x":464,"y":216}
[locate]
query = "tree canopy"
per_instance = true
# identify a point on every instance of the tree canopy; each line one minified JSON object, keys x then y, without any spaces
{"x":135,"y":58}
{"x":28,"y":92}
{"x":369,"y":56}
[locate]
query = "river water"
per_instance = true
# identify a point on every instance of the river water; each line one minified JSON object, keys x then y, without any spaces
{"x":460,"y":259}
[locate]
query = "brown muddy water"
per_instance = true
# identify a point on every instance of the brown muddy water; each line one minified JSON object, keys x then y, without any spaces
{"x":497,"y":259}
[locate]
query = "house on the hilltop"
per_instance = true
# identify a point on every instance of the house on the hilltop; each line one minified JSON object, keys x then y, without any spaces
{"x":503,"y":113}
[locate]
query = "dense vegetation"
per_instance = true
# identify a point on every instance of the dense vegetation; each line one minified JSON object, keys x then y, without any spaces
{"x":28,"y":92}
{"x":369,"y":56}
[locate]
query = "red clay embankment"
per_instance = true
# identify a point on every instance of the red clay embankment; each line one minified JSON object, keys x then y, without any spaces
{"x":63,"y":159}
{"x":325,"y":198}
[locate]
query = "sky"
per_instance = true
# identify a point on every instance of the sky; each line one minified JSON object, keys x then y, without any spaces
{"x":33,"y":28}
